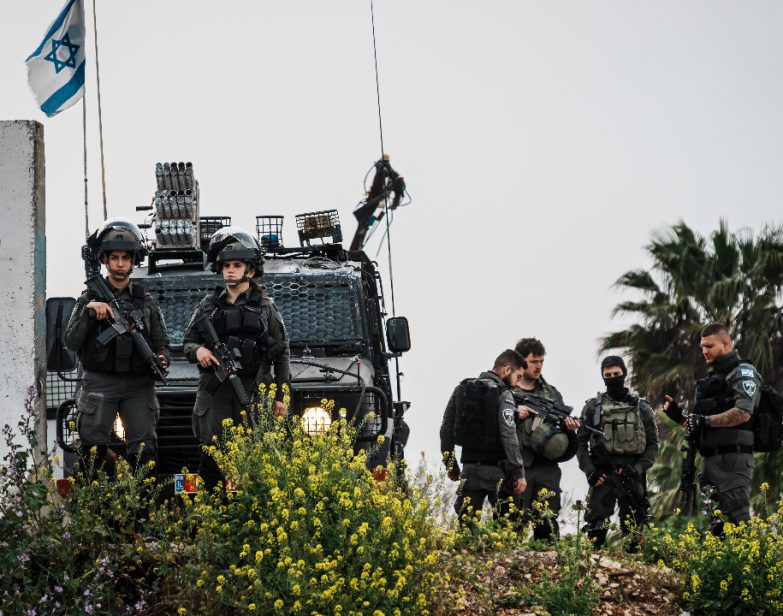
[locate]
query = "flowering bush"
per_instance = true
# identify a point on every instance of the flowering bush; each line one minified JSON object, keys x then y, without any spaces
{"x":308,"y":531}
{"x":80,"y":555}
{"x":740,"y":573}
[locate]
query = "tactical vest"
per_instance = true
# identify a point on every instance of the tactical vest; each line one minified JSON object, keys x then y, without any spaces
{"x":622,"y":424}
{"x":120,"y":356}
{"x":476,"y":426}
{"x":241,"y":328}
{"x":714,"y":395}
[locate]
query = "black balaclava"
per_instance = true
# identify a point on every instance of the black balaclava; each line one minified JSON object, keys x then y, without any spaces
{"x":615,"y":386}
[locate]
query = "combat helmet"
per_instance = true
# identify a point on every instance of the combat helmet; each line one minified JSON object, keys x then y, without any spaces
{"x":235,"y":244}
{"x":552,"y":442}
{"x":118,"y":234}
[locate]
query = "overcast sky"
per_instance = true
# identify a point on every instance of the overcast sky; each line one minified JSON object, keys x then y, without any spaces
{"x":542,"y":143}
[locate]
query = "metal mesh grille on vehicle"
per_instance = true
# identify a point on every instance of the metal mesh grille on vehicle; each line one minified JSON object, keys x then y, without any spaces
{"x":177,"y":447}
{"x":178,"y":298}
{"x":58,"y":390}
{"x":315,"y":308}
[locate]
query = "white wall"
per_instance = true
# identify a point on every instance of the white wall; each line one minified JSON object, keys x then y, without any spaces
{"x":22,"y":273}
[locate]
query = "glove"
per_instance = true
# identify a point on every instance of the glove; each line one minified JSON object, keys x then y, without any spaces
{"x":628,"y":470}
{"x":674,"y":412}
{"x":593,"y":477}
{"x":696,"y":423}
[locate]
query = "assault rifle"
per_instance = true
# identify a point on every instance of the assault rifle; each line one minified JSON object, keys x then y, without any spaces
{"x":674,"y":411}
{"x":688,"y":477}
{"x":228,"y":363}
{"x":130,"y":322}
{"x":638,"y":503}
{"x":549,"y":411}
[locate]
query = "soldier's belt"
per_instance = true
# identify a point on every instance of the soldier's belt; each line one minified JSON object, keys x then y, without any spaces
{"x":708,"y":452}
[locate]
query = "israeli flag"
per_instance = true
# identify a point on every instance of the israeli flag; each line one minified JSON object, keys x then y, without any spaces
{"x":55,"y":70}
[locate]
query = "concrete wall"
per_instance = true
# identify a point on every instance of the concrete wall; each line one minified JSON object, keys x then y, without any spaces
{"x":22,"y":274}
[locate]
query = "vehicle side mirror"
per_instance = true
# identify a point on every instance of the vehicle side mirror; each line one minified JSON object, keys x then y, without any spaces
{"x":398,"y":335}
{"x":58,"y":311}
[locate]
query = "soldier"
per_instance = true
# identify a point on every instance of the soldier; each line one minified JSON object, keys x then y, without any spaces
{"x":116,"y":378}
{"x":480,"y":418}
{"x":616,"y":464}
{"x":250,"y":324}
{"x":721,"y":422}
{"x":542,"y":448}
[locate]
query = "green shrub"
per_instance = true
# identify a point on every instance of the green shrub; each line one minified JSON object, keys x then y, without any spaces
{"x":309,"y":531}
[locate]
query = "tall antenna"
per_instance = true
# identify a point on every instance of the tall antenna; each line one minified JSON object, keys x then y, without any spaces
{"x":383,"y":156}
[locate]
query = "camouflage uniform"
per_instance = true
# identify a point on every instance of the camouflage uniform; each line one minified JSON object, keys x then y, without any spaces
{"x":114,"y":381}
{"x":485,"y":478}
{"x":540,"y":473}
{"x":728,"y":452}
{"x":631,"y":445}
{"x":212,"y":408}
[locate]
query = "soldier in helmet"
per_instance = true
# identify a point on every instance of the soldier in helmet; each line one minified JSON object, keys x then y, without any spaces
{"x":250,"y":324}
{"x":480,"y":418}
{"x":543,"y":447}
{"x":116,"y":379}
{"x":616,"y":464}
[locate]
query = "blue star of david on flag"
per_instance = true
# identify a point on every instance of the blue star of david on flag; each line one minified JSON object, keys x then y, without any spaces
{"x":61,"y":49}
{"x":70,"y":61}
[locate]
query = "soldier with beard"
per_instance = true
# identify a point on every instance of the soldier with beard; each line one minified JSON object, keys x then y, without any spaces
{"x":480,"y":418}
{"x":542,"y":462}
{"x":721,"y":422}
{"x":616,"y":463}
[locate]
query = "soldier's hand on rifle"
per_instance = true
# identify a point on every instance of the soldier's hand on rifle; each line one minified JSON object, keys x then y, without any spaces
{"x":596,"y":478}
{"x":280,"y":409}
{"x":523,"y":412}
{"x":101,"y":309}
{"x":571,"y":424}
{"x":695,"y":423}
{"x":164,"y":361}
{"x":205,"y":358}
{"x":519,"y":486}
{"x":627,"y":470}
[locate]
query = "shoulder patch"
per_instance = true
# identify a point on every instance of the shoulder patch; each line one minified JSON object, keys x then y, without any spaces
{"x":749,"y":387}
{"x":747,"y":372}
{"x":508,"y":417}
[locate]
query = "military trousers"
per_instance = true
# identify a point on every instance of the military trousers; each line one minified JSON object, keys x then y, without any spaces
{"x":542,"y":476}
{"x":730,"y":474}
{"x":209,"y":413}
{"x":131,"y":396}
{"x":630,"y":493}
{"x":212,"y":409}
{"x":481,"y":482}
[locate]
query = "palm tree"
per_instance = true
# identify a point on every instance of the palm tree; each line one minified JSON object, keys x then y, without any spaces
{"x":733,"y":278}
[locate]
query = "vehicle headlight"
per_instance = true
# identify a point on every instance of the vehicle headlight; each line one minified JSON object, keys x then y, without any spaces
{"x":119,"y":429}
{"x":315,"y":420}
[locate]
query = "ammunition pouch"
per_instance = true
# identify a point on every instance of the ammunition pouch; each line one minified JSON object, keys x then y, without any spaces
{"x":622,"y":424}
{"x":120,"y":356}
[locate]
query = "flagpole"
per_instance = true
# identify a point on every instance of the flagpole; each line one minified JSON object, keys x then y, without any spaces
{"x":100,"y":115}
{"x":84,"y":141}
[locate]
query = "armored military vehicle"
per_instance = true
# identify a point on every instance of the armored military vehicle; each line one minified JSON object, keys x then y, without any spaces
{"x":332,"y":302}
